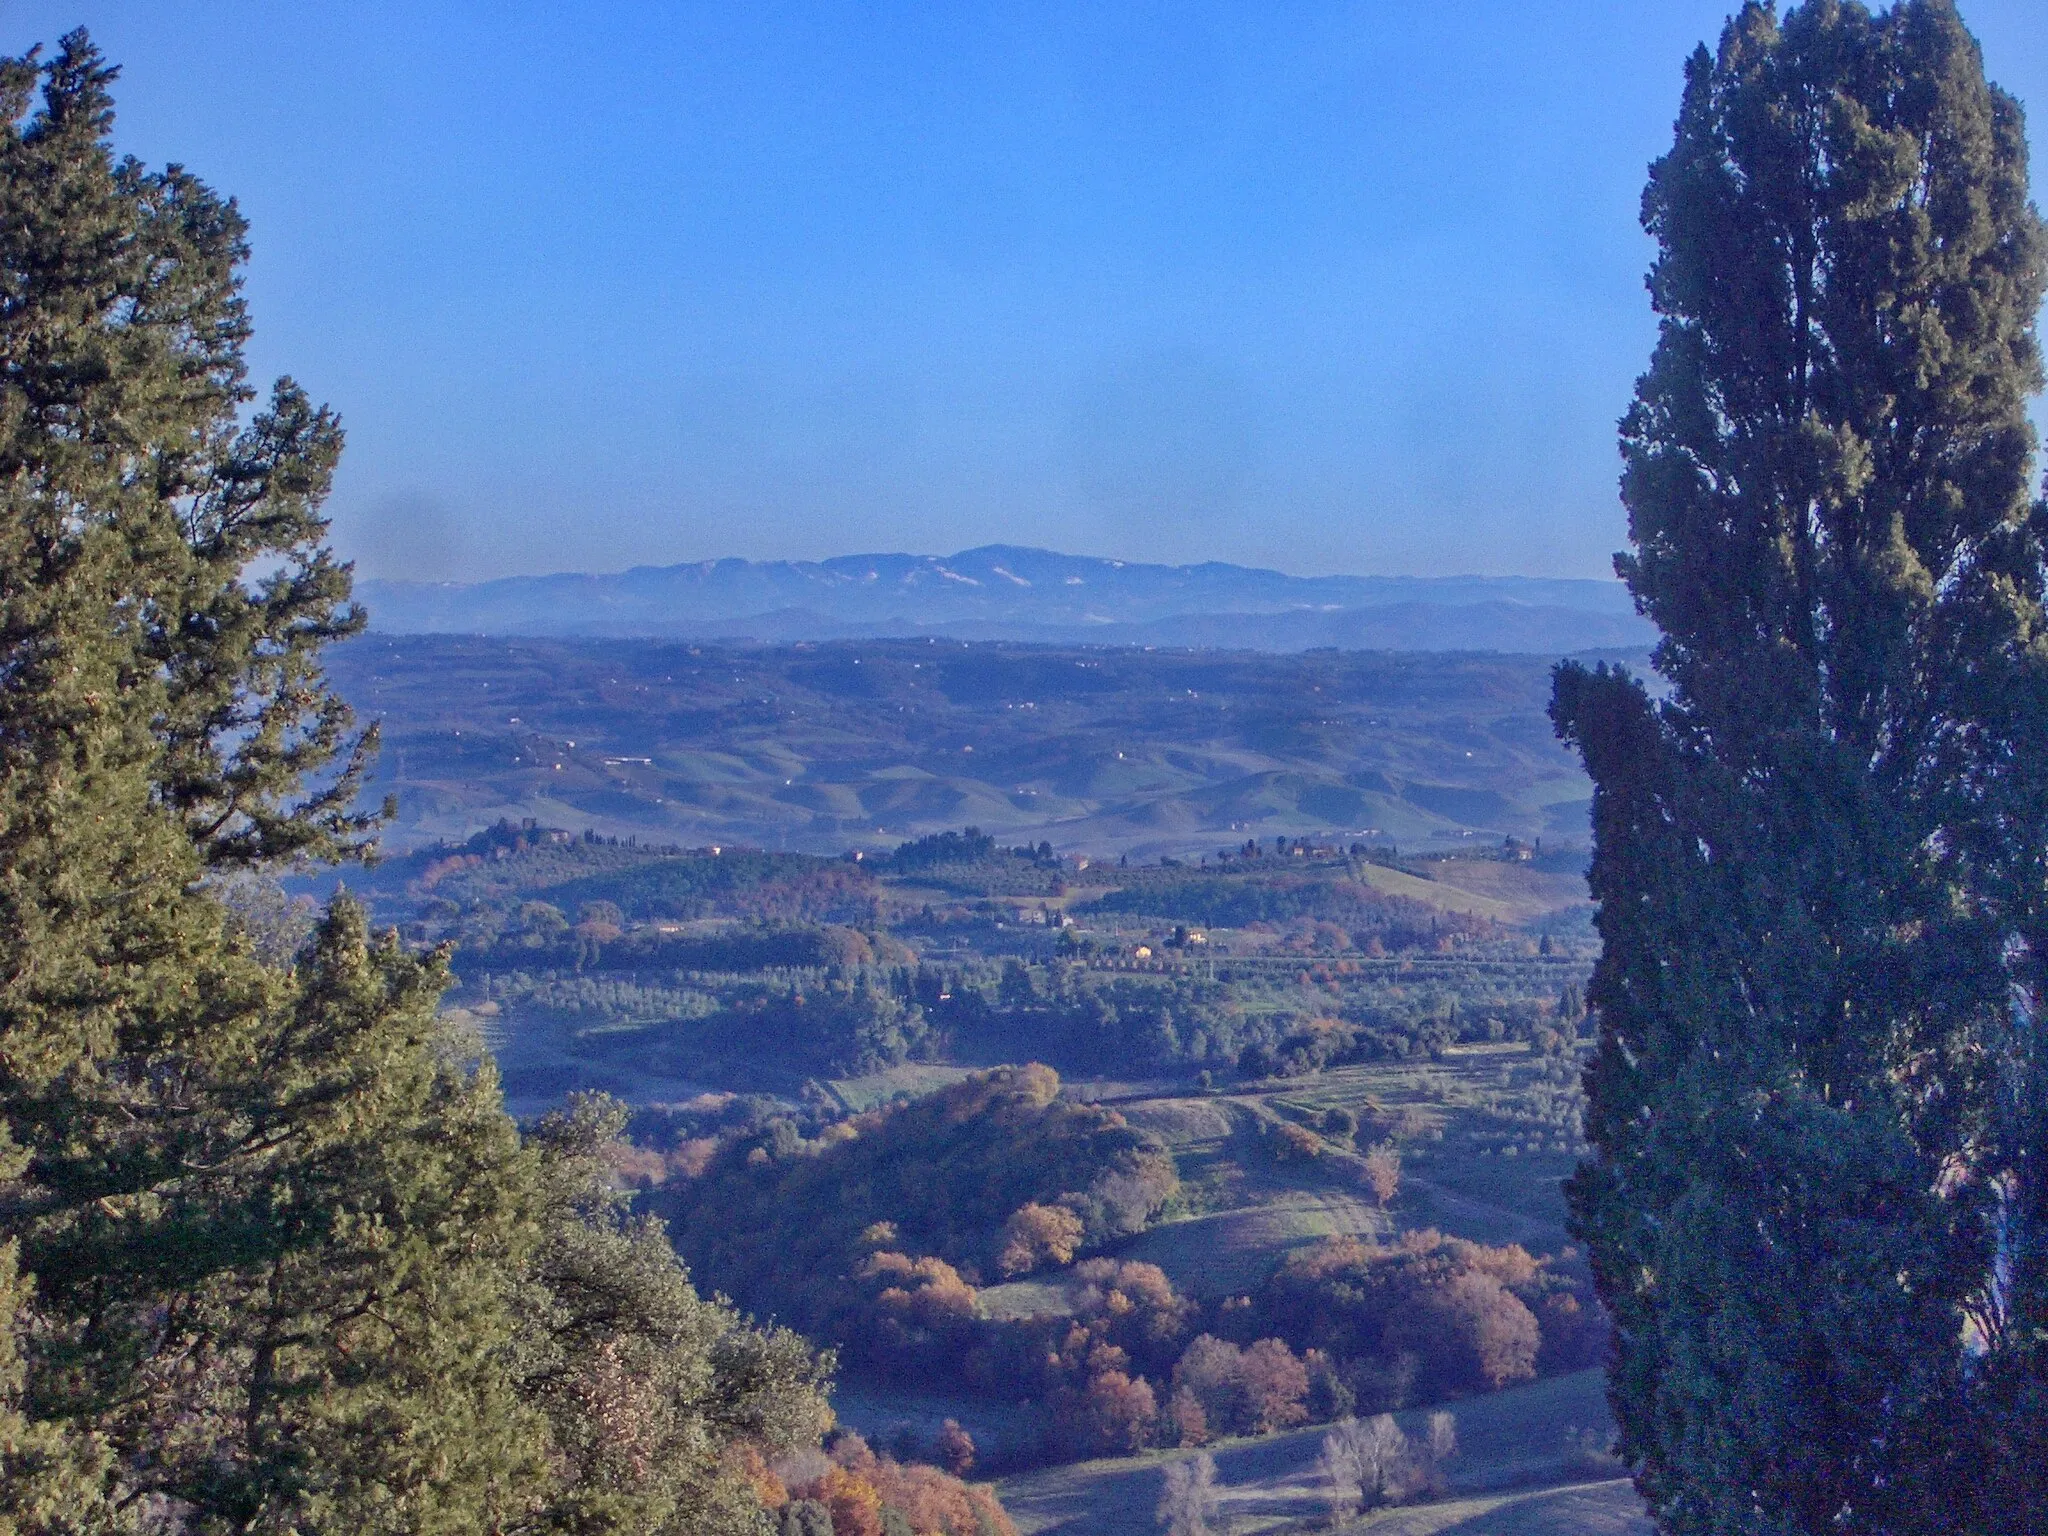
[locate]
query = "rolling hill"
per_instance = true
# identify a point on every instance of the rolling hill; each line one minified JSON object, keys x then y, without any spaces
{"x":821,"y":747}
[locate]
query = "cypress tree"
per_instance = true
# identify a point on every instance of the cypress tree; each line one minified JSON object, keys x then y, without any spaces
{"x":1816,"y":1211}
{"x":272,"y":1256}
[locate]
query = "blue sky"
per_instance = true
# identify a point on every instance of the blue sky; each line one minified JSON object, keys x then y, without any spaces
{"x":1321,"y":286}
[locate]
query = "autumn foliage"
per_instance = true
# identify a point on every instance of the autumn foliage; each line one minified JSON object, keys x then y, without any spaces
{"x":862,"y":1494}
{"x":1428,"y":1316}
{"x":876,"y":1233}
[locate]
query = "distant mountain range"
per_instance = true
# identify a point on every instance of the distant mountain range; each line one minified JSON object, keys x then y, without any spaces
{"x":1005,"y":592}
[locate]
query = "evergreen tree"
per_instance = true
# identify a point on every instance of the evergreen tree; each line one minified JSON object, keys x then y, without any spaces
{"x":1817,"y":1210}
{"x":272,"y":1256}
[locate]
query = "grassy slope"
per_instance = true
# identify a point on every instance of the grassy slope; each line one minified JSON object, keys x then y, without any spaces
{"x":1248,"y":1212}
{"x":1511,"y":1475}
{"x":1441,"y":894}
{"x":1518,"y":891}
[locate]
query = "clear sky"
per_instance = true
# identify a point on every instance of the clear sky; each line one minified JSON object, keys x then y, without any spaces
{"x":1321,"y":286}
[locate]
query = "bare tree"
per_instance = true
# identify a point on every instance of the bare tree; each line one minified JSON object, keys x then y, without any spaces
{"x":1367,"y":1463}
{"x":1439,"y":1445}
{"x":1386,"y":1463}
{"x":1343,"y":1463}
{"x":1187,"y":1498}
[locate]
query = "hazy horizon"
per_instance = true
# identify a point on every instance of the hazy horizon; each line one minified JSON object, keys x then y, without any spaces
{"x":1319,"y":287}
{"x":879,"y":552}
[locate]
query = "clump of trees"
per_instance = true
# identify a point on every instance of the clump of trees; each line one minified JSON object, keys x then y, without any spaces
{"x":1375,"y":1031}
{"x":1374,"y":1461}
{"x":1220,"y":1389}
{"x":1083,"y":1021}
{"x":1036,"y":1235}
{"x":877,"y":1233}
{"x":1227,"y":900}
{"x":973,"y":846}
{"x":771,"y":1029}
{"x":868,"y":1233}
{"x":1819,"y":1213}
{"x":1364,"y":1463}
{"x":1425,"y":1317}
{"x":852,"y":1491}
{"x":486,"y":878}
{"x":590,"y":935}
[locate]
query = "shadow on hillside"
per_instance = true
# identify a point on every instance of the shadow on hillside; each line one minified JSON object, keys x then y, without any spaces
{"x":1511,"y":1478}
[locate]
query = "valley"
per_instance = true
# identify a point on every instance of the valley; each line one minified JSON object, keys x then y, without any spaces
{"x":1293,"y":1055}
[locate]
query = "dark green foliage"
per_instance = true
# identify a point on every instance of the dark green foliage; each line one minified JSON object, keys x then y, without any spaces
{"x":137,"y":499}
{"x":1080,"y":1023}
{"x":1396,"y":922}
{"x":768,"y":887}
{"x":751,"y":1033}
{"x":50,"y":1472}
{"x":1818,"y":1213}
{"x":835,"y":1027}
{"x":1085,"y":1022}
{"x":646,"y":1385}
{"x":489,"y":875}
{"x":969,"y":847}
{"x":638,"y":1000}
{"x":272,"y":1256}
{"x":545,"y":939}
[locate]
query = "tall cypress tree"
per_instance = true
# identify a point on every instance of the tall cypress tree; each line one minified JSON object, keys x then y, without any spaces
{"x":1816,"y":1211}
{"x":272,"y":1256}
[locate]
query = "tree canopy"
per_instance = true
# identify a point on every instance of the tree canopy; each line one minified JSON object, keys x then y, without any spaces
{"x":1818,"y":1210}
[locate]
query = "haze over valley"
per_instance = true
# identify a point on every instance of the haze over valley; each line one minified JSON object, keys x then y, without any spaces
{"x":1005,"y":592}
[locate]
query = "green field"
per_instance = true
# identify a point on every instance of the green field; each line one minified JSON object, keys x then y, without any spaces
{"x":1514,"y":1475}
{"x":911,"y":1080}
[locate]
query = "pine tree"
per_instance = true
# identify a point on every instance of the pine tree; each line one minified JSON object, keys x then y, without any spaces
{"x":272,"y":1256}
{"x":1816,"y":1212}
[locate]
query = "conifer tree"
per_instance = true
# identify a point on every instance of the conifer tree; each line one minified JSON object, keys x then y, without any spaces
{"x":272,"y":1256}
{"x":1816,"y":1212}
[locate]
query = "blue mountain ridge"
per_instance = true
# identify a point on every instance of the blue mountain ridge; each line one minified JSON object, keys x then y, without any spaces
{"x":1008,"y":592}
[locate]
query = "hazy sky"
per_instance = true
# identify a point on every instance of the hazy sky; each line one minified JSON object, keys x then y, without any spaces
{"x":1322,"y":286}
